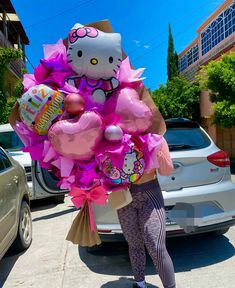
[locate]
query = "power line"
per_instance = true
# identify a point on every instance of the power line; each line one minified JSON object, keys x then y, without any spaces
{"x":29,"y":61}
{"x":15,"y":29}
{"x":163,"y":33}
{"x":159,"y":44}
{"x":45,"y":20}
{"x":59,"y":14}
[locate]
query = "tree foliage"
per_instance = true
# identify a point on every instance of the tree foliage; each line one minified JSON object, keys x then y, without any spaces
{"x":6,"y":56}
{"x":219,"y":78}
{"x":178,"y":98}
{"x":172,"y":58}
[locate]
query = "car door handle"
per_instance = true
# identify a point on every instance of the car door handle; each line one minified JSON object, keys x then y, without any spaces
{"x":16,"y":179}
{"x":177,"y":167}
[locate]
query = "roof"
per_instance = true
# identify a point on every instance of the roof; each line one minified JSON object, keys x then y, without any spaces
{"x":7,"y":5}
{"x":15,"y":27}
{"x":217,"y":12}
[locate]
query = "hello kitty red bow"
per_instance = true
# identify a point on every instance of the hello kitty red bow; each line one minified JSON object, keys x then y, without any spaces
{"x":82,"y":32}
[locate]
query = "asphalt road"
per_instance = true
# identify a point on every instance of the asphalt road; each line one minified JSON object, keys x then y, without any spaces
{"x":51,"y":261}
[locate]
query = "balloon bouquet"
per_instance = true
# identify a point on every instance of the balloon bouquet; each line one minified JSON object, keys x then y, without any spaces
{"x":81,"y":116}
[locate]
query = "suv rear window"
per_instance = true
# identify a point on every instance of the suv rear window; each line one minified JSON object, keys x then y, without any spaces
{"x":186,"y":139}
{"x":10,"y":141}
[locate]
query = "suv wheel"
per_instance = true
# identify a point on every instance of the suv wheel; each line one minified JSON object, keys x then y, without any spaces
{"x":24,"y":236}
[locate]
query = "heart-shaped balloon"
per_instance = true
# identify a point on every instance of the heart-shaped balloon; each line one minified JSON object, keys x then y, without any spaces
{"x":134,"y":115}
{"x":77,"y":138}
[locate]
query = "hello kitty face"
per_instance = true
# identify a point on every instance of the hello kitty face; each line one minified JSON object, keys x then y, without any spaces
{"x":93,"y":53}
{"x":129,"y":162}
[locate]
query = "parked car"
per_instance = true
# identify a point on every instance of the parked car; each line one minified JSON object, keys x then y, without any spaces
{"x":15,"y":216}
{"x":200,"y":189}
{"x":12,"y":144}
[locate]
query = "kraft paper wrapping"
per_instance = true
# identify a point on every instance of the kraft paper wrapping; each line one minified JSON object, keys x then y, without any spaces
{"x":80,"y":232}
{"x":119,"y":199}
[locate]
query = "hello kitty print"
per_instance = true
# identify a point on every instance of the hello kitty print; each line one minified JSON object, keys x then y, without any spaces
{"x":95,"y":57}
{"x":133,"y":167}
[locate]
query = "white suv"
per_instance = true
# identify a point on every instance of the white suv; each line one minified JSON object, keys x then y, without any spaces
{"x":12,"y":144}
{"x":199,"y":195}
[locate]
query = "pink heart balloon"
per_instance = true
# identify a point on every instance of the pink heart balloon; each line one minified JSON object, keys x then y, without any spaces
{"x":135,"y":115}
{"x":77,"y":138}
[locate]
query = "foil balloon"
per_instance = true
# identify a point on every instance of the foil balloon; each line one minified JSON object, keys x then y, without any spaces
{"x":135,"y":116}
{"x":39,"y":106}
{"x":113,"y":133}
{"x":74,"y":103}
{"x":131,"y":170}
{"x":77,"y":138}
{"x":95,"y":57}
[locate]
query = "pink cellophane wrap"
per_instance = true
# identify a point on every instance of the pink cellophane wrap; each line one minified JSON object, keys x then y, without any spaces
{"x":116,"y":151}
{"x":52,"y":70}
{"x":129,"y":77}
{"x":150,"y":144}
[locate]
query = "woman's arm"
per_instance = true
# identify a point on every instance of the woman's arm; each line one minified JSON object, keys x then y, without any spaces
{"x":165,"y":163}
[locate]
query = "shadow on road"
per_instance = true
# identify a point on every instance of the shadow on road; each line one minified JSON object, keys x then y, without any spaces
{"x":123,"y":282}
{"x":199,"y":251}
{"x":55,"y":214}
{"x":187,"y":253}
{"x":43,"y":204}
{"x":7,"y":264}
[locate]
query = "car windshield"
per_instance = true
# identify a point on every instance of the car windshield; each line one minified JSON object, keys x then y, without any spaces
{"x":186,"y":139}
{"x":10,"y":141}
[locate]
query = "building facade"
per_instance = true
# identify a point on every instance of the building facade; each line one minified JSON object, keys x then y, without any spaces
{"x":12,"y":35}
{"x":215,"y":36}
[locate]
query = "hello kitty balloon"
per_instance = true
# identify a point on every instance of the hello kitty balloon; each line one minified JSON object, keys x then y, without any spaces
{"x":95,"y":57}
{"x":130,"y":171}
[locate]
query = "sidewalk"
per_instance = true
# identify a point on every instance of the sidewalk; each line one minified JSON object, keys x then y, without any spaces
{"x":51,"y":261}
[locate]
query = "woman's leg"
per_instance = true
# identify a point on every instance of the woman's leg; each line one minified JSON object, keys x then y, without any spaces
{"x":130,"y":226}
{"x":152,"y":218}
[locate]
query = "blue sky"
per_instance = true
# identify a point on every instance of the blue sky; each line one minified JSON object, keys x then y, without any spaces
{"x":142,"y":24}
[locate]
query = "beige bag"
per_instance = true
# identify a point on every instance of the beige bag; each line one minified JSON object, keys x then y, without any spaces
{"x":80,"y":232}
{"x":120,"y":198}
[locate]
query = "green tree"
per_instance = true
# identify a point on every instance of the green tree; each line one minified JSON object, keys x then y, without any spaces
{"x":178,"y":98}
{"x":219,"y":78}
{"x":6,"y":56}
{"x":172,"y":57}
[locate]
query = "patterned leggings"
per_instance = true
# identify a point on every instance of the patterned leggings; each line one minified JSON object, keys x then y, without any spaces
{"x":143,"y":224}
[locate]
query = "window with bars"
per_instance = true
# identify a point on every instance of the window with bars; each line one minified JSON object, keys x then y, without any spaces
{"x":189,"y":58}
{"x":218,"y":30}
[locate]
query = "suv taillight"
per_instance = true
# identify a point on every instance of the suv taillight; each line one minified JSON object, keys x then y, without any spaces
{"x":219,"y":158}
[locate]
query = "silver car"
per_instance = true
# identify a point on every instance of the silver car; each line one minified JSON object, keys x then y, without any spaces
{"x":199,"y":195}
{"x":15,"y":216}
